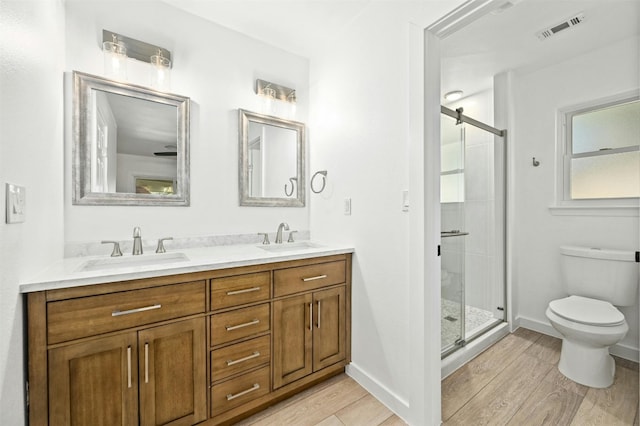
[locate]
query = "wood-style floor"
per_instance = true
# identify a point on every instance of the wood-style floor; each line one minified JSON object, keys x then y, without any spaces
{"x":515,"y":382}
{"x":339,"y":401}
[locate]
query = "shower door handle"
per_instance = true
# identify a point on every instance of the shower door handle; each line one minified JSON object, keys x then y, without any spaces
{"x":454,"y":233}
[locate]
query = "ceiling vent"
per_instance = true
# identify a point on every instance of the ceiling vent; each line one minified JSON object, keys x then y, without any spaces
{"x":566,"y":24}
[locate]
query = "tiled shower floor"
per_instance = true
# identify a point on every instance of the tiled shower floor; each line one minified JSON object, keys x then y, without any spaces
{"x":475,"y":319}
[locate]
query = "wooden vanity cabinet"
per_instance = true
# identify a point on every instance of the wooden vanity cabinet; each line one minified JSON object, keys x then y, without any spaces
{"x":204,"y":348}
{"x":308,"y":339}
{"x":100,"y":382}
{"x":309,"y":329}
{"x":131,"y":353}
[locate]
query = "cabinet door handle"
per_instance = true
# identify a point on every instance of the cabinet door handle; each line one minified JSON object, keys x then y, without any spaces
{"x":231,"y":396}
{"x":129,"y":366}
{"x":246,"y":290}
{"x":135,"y":311}
{"x":256,"y":354}
{"x":246,"y":324}
{"x":318,"y":314}
{"x":310,"y":316}
{"x":146,"y":363}
{"x":318,"y":277}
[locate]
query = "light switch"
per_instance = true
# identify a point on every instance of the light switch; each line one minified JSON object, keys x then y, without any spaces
{"x":15,"y":202}
{"x":347,"y":206}
{"x":405,"y":200}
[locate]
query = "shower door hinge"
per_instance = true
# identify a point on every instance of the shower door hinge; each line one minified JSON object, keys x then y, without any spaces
{"x":438,"y":249}
{"x":460,"y":342}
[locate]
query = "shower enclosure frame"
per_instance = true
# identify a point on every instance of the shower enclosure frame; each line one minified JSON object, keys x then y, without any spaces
{"x":460,"y":119}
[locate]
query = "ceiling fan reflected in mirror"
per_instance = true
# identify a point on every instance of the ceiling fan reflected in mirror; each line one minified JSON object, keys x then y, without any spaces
{"x":171,"y":151}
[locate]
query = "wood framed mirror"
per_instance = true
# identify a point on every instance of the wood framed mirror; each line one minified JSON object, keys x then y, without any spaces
{"x":130,"y":144}
{"x":272,"y":161}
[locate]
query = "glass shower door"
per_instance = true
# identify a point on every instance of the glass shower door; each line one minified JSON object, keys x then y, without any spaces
{"x":452,"y":190}
{"x":472,"y":200}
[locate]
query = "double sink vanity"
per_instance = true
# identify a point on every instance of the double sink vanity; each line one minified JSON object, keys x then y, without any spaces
{"x":198,"y":336}
{"x":204,"y":335}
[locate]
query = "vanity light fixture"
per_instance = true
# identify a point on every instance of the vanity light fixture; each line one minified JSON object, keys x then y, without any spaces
{"x":115,"y":58}
{"x":116,"y":46}
{"x":276,"y":99}
{"x":454,"y":95}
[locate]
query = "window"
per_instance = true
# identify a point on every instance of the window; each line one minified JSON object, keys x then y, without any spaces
{"x":602,"y":151}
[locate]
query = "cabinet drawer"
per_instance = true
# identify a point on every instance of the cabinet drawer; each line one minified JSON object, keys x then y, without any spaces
{"x":303,"y":278}
{"x":240,"y":357}
{"x":240,"y":390}
{"x":239,"y":323}
{"x":88,"y":316}
{"x":241,"y":289}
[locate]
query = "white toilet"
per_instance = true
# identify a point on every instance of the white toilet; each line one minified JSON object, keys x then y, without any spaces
{"x":596,"y":280}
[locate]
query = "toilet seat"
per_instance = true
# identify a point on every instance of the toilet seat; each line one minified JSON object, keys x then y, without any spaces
{"x":587,"y":311}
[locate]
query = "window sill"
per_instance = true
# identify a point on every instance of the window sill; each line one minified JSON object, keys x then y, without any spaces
{"x":595,"y":210}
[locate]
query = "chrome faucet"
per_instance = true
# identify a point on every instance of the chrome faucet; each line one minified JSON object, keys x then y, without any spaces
{"x":279,"y":233}
{"x":137,"y":241}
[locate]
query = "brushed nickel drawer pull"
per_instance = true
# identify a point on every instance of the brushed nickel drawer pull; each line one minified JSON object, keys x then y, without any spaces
{"x":319,"y":277}
{"x":246,"y":290}
{"x":231,"y":396}
{"x":146,"y":363}
{"x":135,"y":311}
{"x":246,"y":324}
{"x":318,"y":314}
{"x":129,"y":366}
{"x":310,"y":316}
{"x":256,"y":354}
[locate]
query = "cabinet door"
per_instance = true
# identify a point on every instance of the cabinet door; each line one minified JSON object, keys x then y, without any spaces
{"x":329,"y":327}
{"x":172,"y":374}
{"x":94,"y":383}
{"x":292,"y":339}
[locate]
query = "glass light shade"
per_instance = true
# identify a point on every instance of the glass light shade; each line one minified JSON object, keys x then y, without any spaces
{"x":268,"y":101}
{"x":115,"y":60}
{"x":160,"y":72}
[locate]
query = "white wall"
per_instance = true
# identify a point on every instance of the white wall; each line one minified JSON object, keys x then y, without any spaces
{"x":359,"y":125}
{"x":539,"y":233}
{"x":216,"y":68}
{"x":31,"y":155}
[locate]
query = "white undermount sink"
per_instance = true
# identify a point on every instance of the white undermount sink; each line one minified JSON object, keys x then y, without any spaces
{"x":109,"y":263}
{"x":299,"y":245}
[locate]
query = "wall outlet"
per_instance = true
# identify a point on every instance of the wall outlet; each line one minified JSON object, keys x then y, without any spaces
{"x":347,"y":207}
{"x":15,"y":202}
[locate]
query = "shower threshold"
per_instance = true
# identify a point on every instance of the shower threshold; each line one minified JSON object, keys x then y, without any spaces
{"x":477,"y":321}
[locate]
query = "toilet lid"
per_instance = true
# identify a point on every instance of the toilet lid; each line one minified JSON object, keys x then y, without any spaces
{"x":587,"y":311}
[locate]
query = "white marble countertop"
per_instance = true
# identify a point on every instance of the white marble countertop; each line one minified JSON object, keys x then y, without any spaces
{"x":79,"y":271}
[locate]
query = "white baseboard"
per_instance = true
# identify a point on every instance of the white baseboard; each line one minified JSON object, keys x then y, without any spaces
{"x":383,"y":394}
{"x":623,"y":351}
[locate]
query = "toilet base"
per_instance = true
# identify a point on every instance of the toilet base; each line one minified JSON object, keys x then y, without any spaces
{"x":589,"y":366}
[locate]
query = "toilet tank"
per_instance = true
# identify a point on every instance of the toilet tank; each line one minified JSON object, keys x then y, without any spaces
{"x":604,"y":274}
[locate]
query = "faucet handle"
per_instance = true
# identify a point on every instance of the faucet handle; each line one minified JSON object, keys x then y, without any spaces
{"x":265,"y":241}
{"x":160,"y":248}
{"x":291,"y":240}
{"x":116,"y":248}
